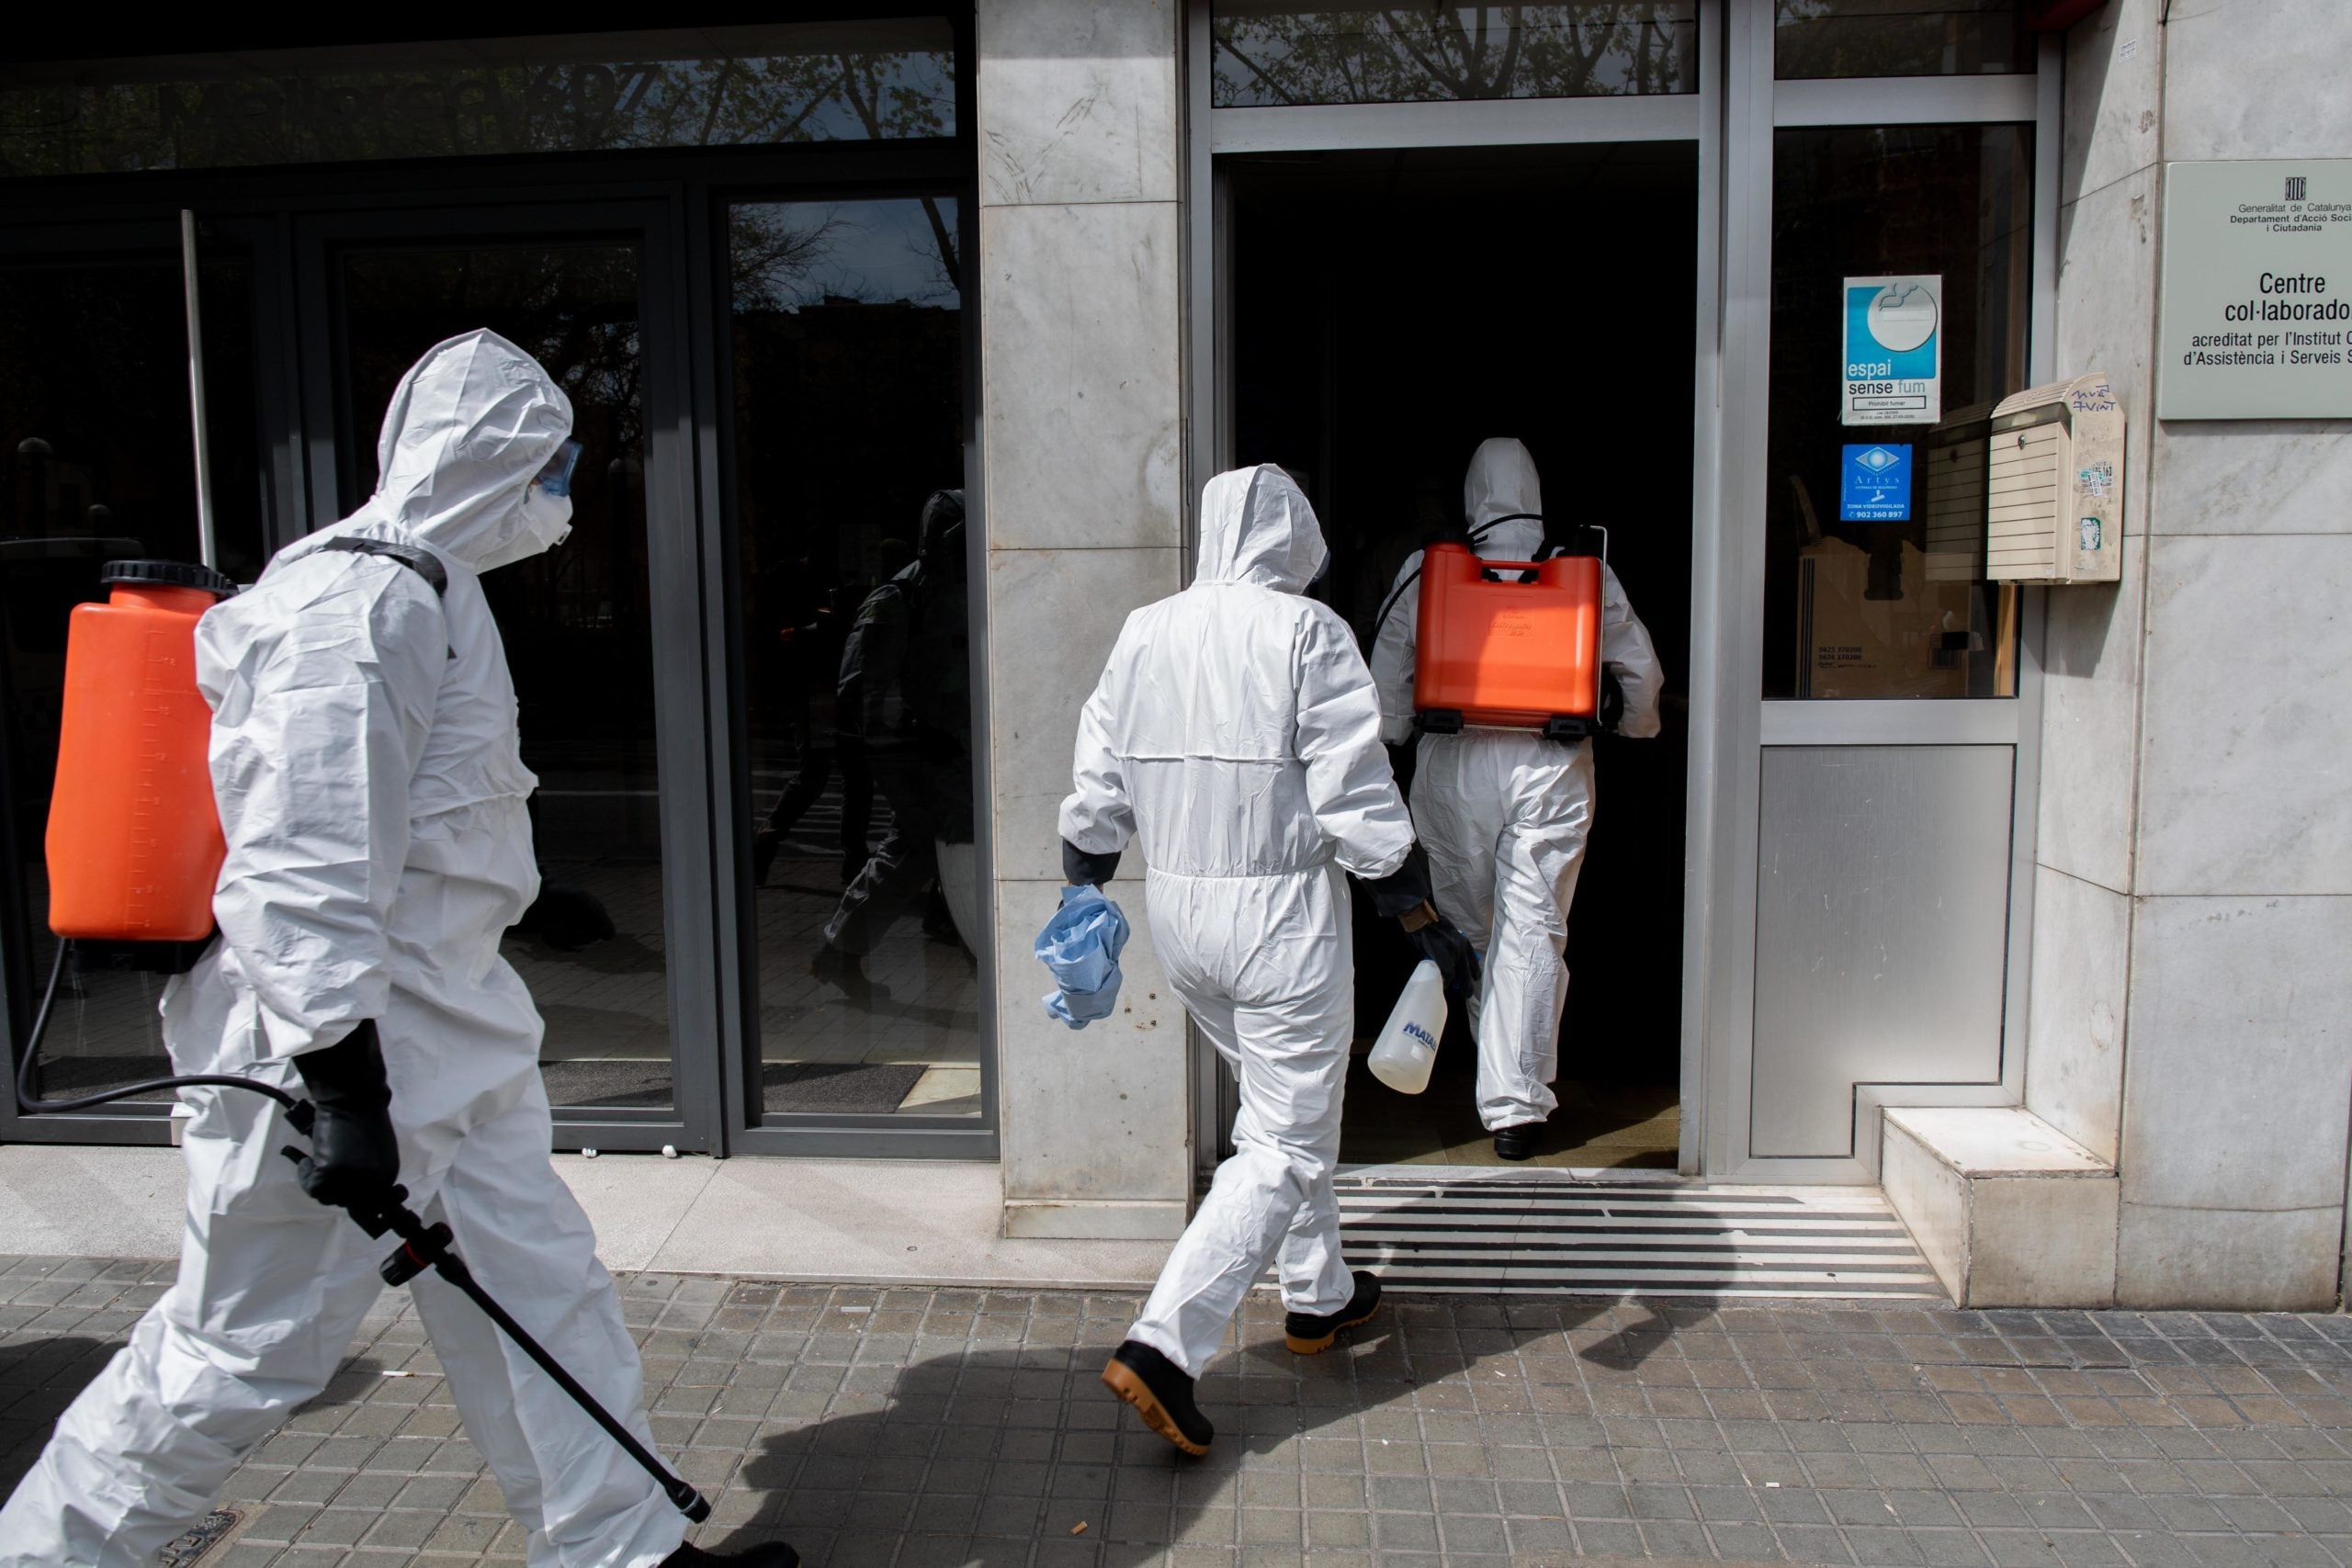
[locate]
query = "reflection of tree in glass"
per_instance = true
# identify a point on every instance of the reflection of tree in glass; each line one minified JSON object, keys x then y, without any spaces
{"x":573,"y":309}
{"x":802,"y":98}
{"x":1814,"y":38}
{"x":225,"y":113}
{"x":783,"y":255}
{"x":773,"y":250}
{"x":1405,"y":54}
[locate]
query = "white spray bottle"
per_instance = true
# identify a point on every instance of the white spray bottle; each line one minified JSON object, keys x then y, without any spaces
{"x":1406,"y":1048}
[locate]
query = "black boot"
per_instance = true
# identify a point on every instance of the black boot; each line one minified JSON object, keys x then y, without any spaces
{"x":834,"y":967}
{"x":567,"y":918}
{"x":1519,"y":1142}
{"x":1311,"y":1336}
{"x":774,"y":1555}
{"x":938,"y":920}
{"x":1162,"y":1394}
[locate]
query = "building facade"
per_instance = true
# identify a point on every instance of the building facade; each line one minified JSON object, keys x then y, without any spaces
{"x":2025,"y":900}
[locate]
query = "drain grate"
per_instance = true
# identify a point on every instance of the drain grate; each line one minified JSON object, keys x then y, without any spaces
{"x":1614,"y":1238}
{"x":196,"y":1544}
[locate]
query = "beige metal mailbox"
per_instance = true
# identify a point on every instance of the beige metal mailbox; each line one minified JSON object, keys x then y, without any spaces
{"x":1950,"y":484}
{"x":2054,"y":485}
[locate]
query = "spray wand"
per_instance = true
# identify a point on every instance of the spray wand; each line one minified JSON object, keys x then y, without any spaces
{"x":423,"y":1247}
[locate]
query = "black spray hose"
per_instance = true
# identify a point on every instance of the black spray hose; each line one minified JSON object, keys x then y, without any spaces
{"x":297,"y":1110}
{"x":1474,"y":535}
{"x":422,"y":1246}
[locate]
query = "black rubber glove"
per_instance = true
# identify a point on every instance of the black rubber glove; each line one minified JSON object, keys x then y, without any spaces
{"x":355,"y":1158}
{"x":1612,"y":701}
{"x":1447,"y":948}
{"x":1404,"y":895}
{"x":1403,"y":890}
{"x":1082,"y":870}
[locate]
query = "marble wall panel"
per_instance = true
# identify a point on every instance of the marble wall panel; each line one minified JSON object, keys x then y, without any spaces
{"x":2090,"y":727}
{"x":2239,"y":1071}
{"x":2091,"y":655}
{"x":2114,"y":96}
{"x":2254,"y":476}
{"x":1056,"y":613}
{"x":2258,"y":79}
{"x":2234,"y":1260}
{"x":1099,"y":1114}
{"x":2073,"y":1062}
{"x":1083,"y":376}
{"x":2246,"y":748}
{"x":1077,"y":103}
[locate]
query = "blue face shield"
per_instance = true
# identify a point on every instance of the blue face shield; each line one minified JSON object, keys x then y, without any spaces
{"x":556,"y":478}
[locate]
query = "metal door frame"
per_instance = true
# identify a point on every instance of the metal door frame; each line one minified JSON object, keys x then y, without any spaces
{"x":1732,"y":118}
{"x":1695,"y":117}
{"x":651,"y":222}
{"x":1755,"y":107}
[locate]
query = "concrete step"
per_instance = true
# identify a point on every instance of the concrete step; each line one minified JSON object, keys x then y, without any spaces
{"x":2008,"y":1211}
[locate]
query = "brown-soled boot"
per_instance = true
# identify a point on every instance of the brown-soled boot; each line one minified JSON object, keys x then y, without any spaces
{"x":1161,"y":1392}
{"x":1310,"y":1335}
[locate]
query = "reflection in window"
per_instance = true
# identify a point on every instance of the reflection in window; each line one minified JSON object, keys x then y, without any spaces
{"x":577,"y":623}
{"x":1866,"y":599}
{"x":96,"y":464}
{"x":847,"y":339}
{"x":1274,"y":51}
{"x":874,"y":81}
{"x":1899,"y":38}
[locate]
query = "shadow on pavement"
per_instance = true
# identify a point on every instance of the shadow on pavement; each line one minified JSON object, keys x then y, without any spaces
{"x":998,"y":1456}
{"x":38,"y":1378}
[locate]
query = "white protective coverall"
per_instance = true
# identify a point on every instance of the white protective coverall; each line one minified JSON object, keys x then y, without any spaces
{"x":371,"y":786}
{"x":1504,"y":814}
{"x":1236,"y":733}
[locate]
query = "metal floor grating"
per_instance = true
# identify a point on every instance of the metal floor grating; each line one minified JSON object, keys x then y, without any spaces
{"x":1550,"y":1236}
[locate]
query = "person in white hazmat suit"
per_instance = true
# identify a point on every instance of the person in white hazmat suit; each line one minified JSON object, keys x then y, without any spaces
{"x":1505,"y":814}
{"x":1235,"y":735}
{"x":371,"y":787}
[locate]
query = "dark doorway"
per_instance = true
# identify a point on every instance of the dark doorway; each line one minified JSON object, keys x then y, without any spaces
{"x":1391,"y":310}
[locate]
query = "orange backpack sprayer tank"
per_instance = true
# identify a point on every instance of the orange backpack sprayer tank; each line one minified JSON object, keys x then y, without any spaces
{"x":1509,"y":645}
{"x":134,"y":837}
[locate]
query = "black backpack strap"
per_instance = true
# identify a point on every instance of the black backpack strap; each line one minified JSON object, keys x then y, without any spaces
{"x":425,"y":563}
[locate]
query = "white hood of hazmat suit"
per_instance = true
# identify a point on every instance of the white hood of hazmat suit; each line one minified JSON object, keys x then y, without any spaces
{"x":1504,"y":814}
{"x":467,"y":430}
{"x":1235,"y":736}
{"x":372,"y":792}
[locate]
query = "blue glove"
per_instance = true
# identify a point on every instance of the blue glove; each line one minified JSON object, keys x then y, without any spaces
{"x":1080,"y":946}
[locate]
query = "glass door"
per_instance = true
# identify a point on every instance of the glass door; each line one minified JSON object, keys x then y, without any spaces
{"x":845,"y":361}
{"x":1891,"y":245}
{"x":603,"y":634}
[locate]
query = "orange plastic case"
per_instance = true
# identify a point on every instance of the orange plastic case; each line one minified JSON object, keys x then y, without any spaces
{"x":1497,"y":653}
{"x":134,"y":837}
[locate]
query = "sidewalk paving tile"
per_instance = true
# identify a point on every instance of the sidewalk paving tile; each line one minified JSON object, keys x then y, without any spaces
{"x":906,"y":1427}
